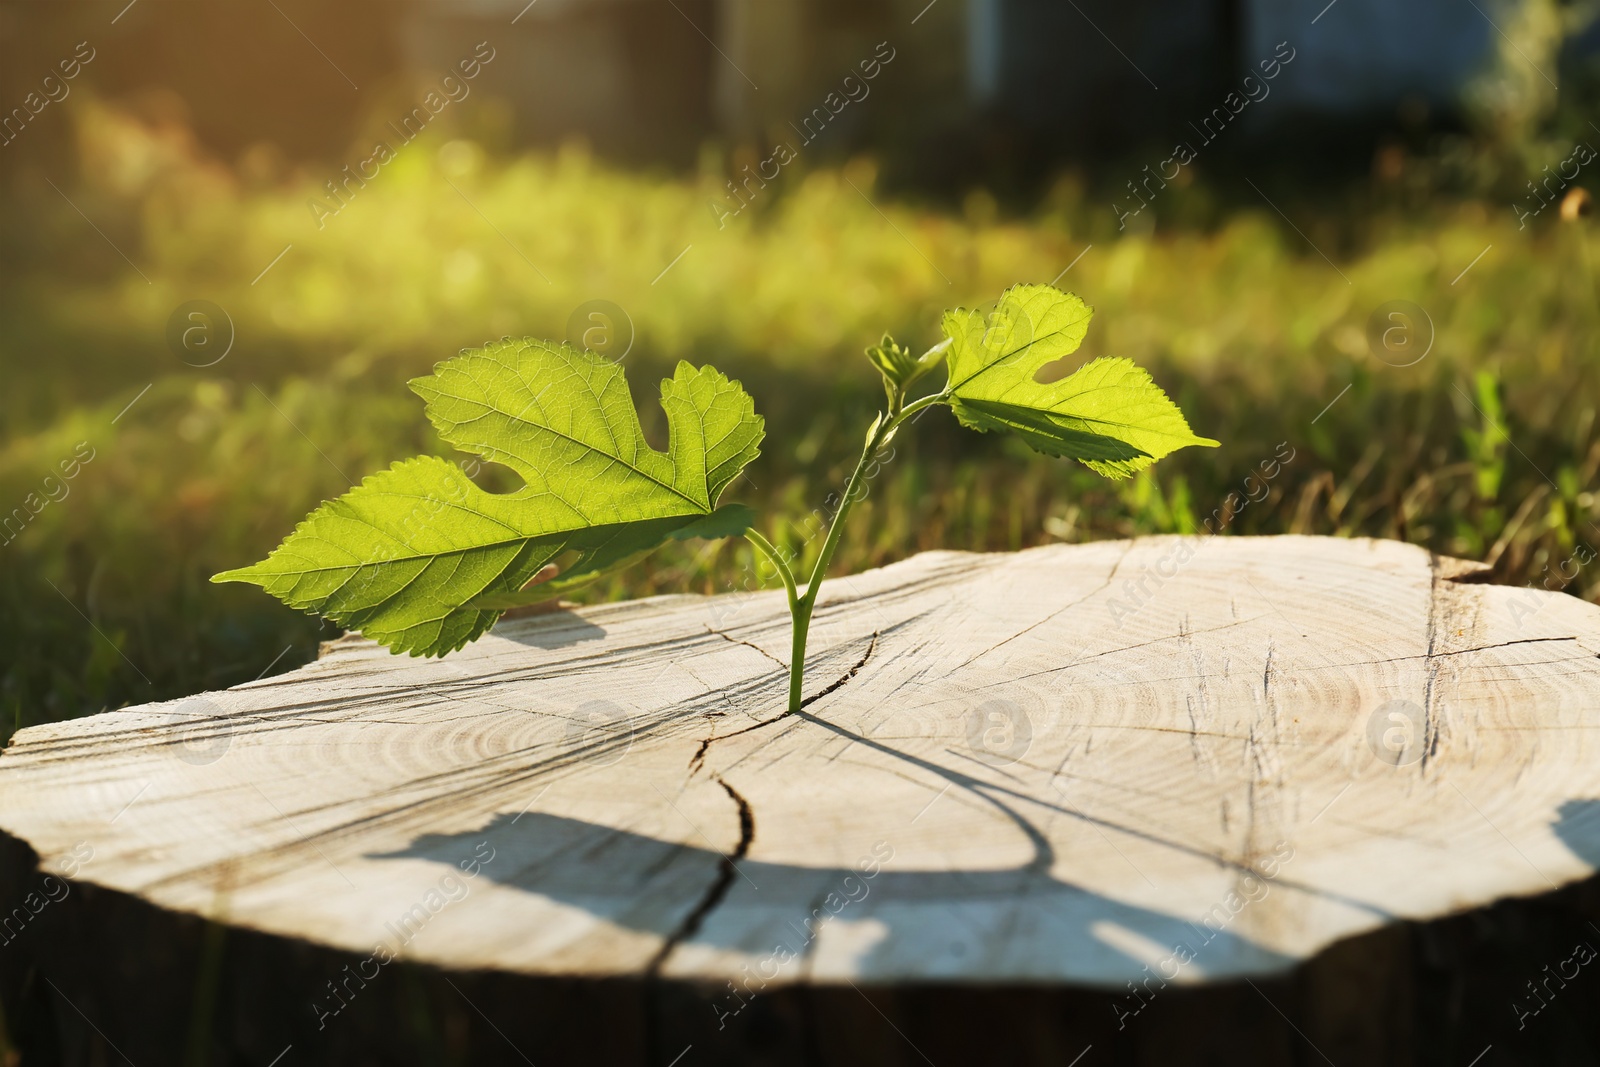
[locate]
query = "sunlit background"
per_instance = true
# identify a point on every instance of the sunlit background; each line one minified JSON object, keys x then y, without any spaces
{"x":1355,"y":232}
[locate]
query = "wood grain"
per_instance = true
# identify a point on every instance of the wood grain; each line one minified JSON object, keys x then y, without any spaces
{"x":1163,"y":759}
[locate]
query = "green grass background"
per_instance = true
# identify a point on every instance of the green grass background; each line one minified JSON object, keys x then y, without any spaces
{"x":1485,"y":449}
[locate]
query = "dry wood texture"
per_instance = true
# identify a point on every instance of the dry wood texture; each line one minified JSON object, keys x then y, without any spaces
{"x":1210,"y":758}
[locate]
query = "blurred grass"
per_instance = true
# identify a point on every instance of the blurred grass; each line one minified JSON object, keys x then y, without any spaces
{"x":1486,"y":449}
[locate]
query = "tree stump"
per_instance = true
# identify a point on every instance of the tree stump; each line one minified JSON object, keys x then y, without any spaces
{"x":1118,"y":774}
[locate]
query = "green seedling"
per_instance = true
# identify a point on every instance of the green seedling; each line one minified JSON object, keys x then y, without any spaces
{"x":422,"y":559}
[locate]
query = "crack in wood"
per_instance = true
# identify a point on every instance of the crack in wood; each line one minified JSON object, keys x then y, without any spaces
{"x":851,"y":673}
{"x":748,"y":644}
{"x":696,"y":760}
{"x":718,"y":889}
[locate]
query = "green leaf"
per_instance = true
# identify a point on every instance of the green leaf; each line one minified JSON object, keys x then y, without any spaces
{"x":729,"y":520}
{"x":420,"y":558}
{"x":630,"y":545}
{"x":1107,"y":414}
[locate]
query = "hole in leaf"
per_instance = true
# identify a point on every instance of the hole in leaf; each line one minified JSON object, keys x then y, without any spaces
{"x":647,"y":401}
{"x":1058,"y":369}
{"x":492,"y":477}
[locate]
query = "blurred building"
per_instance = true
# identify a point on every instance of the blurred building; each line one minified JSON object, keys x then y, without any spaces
{"x":971,"y":83}
{"x":1366,"y":56}
{"x":1095,"y":74}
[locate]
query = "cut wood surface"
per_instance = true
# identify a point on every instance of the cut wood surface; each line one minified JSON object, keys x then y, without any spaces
{"x":1208,"y":757}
